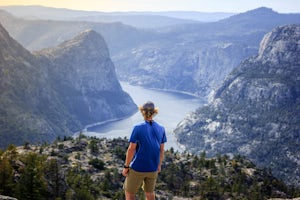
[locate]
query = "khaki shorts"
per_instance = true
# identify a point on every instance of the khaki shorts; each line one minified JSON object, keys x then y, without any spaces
{"x":135,"y":180}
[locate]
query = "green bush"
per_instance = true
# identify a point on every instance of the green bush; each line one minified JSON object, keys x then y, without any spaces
{"x":98,"y":164}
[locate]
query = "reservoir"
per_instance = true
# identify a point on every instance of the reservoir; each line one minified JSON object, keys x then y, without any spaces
{"x":173,"y":107}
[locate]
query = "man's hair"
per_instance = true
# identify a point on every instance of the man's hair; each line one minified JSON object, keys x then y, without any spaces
{"x":148,"y":109}
{"x":149,"y":112}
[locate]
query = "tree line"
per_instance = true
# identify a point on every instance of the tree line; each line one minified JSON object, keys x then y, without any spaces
{"x":50,"y":172}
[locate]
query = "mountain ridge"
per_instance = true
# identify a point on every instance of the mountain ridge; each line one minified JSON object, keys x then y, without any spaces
{"x":193,"y":58}
{"x":40,"y":99}
{"x":197,"y":57}
{"x":255,"y":112}
{"x":48,"y":13}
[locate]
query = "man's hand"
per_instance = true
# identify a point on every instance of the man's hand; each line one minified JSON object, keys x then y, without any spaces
{"x":125,"y":171}
{"x":159,"y":169}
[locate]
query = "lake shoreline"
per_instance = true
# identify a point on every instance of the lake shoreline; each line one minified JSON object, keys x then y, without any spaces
{"x":174,"y":107}
{"x":165,"y":90}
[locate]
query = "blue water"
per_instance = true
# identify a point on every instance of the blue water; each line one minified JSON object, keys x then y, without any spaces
{"x":173,"y":107}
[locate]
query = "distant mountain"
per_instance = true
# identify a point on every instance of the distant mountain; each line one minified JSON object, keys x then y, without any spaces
{"x":255,"y":112}
{"x":38,"y":34}
{"x":196,"y":58}
{"x":193,"y":58}
{"x":46,"y":95}
{"x":196,"y":16}
{"x":136,"y":19}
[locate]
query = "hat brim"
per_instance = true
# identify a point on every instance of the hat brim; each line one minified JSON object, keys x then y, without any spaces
{"x":141,"y":109}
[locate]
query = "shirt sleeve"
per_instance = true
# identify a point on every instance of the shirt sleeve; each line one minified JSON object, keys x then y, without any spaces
{"x":164,"y":138}
{"x":133,"y":138}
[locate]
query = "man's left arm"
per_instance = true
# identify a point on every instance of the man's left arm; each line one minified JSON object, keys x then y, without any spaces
{"x":161,"y":156}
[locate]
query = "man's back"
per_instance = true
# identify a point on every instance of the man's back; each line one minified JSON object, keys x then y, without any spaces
{"x":148,"y":136}
{"x":144,"y":155}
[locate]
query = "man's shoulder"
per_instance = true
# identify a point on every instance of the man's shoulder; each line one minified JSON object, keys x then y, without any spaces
{"x":140,"y":124}
{"x":157,"y":124}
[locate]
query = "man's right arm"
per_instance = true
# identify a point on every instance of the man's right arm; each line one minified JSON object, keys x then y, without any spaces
{"x":129,"y":156}
{"x":161,"y":156}
{"x":130,"y":153}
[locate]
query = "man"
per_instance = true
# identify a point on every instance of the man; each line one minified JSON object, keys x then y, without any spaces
{"x":144,"y":155}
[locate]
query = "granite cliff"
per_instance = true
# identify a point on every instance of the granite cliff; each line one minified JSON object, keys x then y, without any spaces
{"x":57,"y":91}
{"x":255,"y":112}
{"x":84,"y":75}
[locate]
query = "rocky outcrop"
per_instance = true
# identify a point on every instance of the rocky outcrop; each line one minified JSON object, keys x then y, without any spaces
{"x":57,"y":91}
{"x":85,"y":77}
{"x":6,"y":198}
{"x":284,"y":199}
{"x":256,"y":110}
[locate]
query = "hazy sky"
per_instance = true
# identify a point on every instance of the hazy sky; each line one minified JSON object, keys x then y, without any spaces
{"x":283,"y":6}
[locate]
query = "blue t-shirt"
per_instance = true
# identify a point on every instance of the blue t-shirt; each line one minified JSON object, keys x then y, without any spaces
{"x":148,"y":138}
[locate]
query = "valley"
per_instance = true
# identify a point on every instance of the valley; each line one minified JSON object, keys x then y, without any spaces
{"x":59,"y":76}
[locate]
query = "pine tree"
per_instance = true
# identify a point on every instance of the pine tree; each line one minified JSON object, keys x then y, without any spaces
{"x":6,"y":177}
{"x":94,"y":146}
{"x":11,"y":153}
{"x":80,"y":183}
{"x":55,"y":178}
{"x":31,"y":184}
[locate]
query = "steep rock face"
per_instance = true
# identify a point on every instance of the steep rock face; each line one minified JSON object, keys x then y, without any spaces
{"x":194,"y":67}
{"x":256,"y":111}
{"x":43,"y":97}
{"x":26,"y":98}
{"x":84,"y":75}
